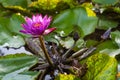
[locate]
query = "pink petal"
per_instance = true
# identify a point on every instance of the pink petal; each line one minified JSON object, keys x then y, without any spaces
{"x":47,"y":31}
{"x":23,"y":31}
{"x":46,"y":21}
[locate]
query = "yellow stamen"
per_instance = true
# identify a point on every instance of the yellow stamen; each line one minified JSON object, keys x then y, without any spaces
{"x":36,"y":25}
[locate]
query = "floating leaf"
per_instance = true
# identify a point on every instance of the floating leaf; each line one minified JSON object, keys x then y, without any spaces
{"x":15,"y":24}
{"x":14,"y":41}
{"x":22,"y":3}
{"x":106,"y":24}
{"x":116,"y":37}
{"x":9,"y":31}
{"x":76,"y":19}
{"x":106,"y":2}
{"x":67,"y":43}
{"x":111,"y":52}
{"x":109,"y":44}
{"x":100,"y":67}
{"x":13,"y":64}
{"x":90,"y":43}
{"x":66,"y":77}
{"x":21,"y":75}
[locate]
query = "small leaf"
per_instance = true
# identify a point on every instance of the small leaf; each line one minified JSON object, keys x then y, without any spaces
{"x":100,"y":67}
{"x":67,"y":43}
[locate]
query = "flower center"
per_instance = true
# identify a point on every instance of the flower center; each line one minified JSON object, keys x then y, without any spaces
{"x":37,"y":25}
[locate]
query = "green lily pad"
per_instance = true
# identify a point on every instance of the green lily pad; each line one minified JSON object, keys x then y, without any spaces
{"x":66,"y":77}
{"x":116,"y":37}
{"x":12,"y":66}
{"x":21,"y":75}
{"x":100,"y":67}
{"x":81,"y":19}
{"x":15,"y":24}
{"x":109,"y":44}
{"x":22,"y":3}
{"x":111,"y":52}
{"x":106,"y":24}
{"x":106,"y":2}
{"x":9,"y":31}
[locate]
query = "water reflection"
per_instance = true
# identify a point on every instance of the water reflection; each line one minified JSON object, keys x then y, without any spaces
{"x":5,"y":51}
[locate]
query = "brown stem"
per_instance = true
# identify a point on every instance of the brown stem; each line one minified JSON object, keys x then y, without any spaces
{"x":79,"y":53}
{"x":45,"y":50}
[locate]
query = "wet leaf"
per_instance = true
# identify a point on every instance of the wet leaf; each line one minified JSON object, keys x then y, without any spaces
{"x":100,"y":67}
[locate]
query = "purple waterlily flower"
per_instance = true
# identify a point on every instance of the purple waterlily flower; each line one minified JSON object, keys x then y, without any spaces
{"x":37,"y":25}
